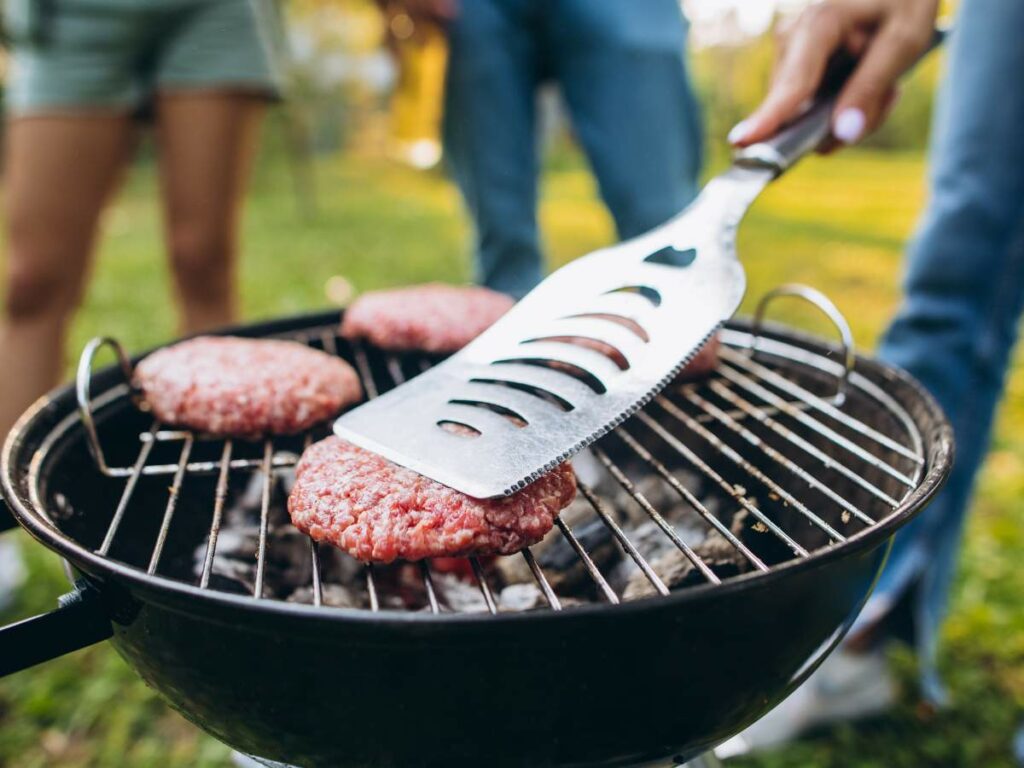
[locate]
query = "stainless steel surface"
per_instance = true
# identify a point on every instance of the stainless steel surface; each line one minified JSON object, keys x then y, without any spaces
{"x":799,"y":138}
{"x":817,"y":299}
{"x":764,"y":427}
{"x":531,"y":359}
{"x":82,"y":377}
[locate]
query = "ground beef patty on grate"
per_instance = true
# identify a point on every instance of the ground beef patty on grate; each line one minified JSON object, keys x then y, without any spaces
{"x":378,"y":511}
{"x":428,"y":318}
{"x":245,"y":387}
{"x":704,"y":362}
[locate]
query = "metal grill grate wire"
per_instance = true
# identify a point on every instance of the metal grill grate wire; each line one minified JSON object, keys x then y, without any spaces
{"x":749,"y":391}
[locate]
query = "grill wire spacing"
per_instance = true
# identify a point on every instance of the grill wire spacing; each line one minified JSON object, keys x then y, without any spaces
{"x":770,"y":435}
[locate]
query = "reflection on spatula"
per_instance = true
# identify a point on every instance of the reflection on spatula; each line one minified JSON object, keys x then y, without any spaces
{"x":587,"y":347}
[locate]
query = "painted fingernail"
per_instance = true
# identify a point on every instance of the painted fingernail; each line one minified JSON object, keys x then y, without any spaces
{"x":849,"y":125}
{"x":739,"y":131}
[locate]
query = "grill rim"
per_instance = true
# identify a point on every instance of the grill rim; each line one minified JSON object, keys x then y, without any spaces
{"x":934,"y":429}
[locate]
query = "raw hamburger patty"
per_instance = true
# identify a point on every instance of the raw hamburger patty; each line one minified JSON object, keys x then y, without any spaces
{"x":428,"y":318}
{"x":378,"y":511}
{"x":245,"y":387}
{"x":704,"y":362}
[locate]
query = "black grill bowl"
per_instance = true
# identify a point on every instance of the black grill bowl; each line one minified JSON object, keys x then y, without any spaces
{"x":592,"y":687}
{"x":631,"y":684}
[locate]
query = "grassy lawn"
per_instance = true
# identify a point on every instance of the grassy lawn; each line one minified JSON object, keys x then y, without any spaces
{"x":838,"y":225}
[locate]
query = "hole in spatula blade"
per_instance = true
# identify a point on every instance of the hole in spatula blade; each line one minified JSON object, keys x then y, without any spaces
{"x":586,"y":377}
{"x":538,"y":392}
{"x":513,"y":417}
{"x":602,"y":347}
{"x":653,"y":295}
{"x":458,"y":428}
{"x":628,"y":323}
{"x":673,"y":257}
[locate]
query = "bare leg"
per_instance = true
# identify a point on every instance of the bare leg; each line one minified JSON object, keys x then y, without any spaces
{"x":207,"y":142}
{"x":60,"y":171}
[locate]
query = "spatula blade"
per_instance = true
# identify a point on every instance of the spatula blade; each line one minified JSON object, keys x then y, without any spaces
{"x":533,"y":396}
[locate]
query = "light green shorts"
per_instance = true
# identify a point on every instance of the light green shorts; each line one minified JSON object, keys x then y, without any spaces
{"x":116,"y":54}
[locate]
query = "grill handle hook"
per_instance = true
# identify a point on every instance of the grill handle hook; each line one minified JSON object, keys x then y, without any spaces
{"x":822,"y":302}
{"x":82,"y":379}
{"x":78,"y":622}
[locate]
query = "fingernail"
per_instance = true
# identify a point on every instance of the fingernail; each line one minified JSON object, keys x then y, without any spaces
{"x":738,"y":132}
{"x":849,"y":125}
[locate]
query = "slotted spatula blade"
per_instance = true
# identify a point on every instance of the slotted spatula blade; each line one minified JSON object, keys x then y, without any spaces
{"x":532,"y":393}
{"x":590,"y":345}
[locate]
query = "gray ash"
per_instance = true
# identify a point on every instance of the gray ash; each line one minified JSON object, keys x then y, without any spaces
{"x":400,"y":586}
{"x":677,"y":570}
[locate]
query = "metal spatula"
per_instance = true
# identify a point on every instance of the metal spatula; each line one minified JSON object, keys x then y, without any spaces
{"x":587,"y":347}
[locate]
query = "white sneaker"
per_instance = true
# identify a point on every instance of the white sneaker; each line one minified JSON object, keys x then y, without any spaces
{"x":846,"y":687}
{"x":12,"y":570}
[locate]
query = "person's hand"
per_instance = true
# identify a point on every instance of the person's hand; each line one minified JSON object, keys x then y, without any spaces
{"x":886,"y":36}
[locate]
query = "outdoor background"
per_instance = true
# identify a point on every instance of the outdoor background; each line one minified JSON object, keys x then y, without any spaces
{"x":330,"y":198}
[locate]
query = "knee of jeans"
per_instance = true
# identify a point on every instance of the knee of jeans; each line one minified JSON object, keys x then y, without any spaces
{"x":993,"y":349}
{"x":937,"y":323}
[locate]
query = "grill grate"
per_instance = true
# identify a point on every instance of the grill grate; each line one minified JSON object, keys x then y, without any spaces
{"x":752,"y":424}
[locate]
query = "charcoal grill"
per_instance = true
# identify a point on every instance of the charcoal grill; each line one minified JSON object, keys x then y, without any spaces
{"x":799,"y":457}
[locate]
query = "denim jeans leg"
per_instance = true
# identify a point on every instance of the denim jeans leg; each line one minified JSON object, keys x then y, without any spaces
{"x":490,"y":137}
{"x":964,"y":289}
{"x":623,"y":71}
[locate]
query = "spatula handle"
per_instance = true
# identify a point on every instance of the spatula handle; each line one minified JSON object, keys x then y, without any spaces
{"x":809,"y":131}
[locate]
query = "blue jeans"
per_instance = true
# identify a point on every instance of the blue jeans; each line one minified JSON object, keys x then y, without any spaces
{"x":964,"y":293}
{"x":621,"y":68}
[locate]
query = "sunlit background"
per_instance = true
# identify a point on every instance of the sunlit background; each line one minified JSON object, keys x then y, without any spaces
{"x":730,"y":22}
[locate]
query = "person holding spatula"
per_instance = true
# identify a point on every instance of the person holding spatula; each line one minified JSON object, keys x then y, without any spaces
{"x":964,"y":295}
{"x":84,"y":78}
{"x":621,"y":68}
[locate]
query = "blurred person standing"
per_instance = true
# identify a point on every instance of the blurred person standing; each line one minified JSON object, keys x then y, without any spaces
{"x":84,"y":74}
{"x":964,"y":297}
{"x":622,"y":70}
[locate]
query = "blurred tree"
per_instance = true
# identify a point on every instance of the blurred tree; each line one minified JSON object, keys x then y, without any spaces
{"x":418,"y":98}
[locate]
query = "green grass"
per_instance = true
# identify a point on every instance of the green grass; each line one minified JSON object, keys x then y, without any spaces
{"x":838,"y":224}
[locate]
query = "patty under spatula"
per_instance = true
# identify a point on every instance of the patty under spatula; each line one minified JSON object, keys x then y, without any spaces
{"x":587,"y":347}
